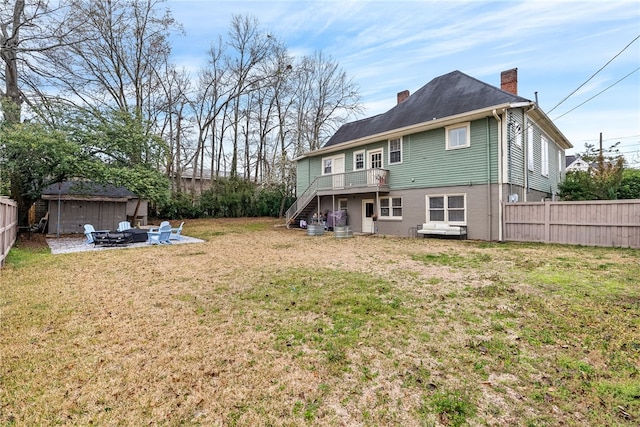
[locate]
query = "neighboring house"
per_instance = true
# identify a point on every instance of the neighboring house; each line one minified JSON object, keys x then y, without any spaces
{"x":452,"y":152}
{"x":575,"y":163}
{"x":194,"y":184}
{"x":191,"y":183}
{"x":72,"y":204}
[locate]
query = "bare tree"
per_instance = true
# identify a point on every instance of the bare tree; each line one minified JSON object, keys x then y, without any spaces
{"x":327,"y":98}
{"x":29,"y":30}
{"x":124,"y":44}
{"x":172,"y":121}
{"x":249,"y":46}
{"x":211,"y":103}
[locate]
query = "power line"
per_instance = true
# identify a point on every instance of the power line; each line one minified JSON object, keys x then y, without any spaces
{"x":597,"y":94}
{"x":603,"y":67}
{"x":589,"y":79}
{"x":615,"y":137}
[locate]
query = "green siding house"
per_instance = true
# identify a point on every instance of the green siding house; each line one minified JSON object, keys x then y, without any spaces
{"x":453,"y":152}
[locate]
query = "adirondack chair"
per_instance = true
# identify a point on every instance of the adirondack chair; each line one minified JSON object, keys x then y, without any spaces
{"x":89,"y":232}
{"x":123,"y":225}
{"x":175,"y":232}
{"x":162,"y":224}
{"x":161,"y":236}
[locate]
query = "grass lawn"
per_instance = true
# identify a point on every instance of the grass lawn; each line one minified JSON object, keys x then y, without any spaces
{"x":263,"y":326}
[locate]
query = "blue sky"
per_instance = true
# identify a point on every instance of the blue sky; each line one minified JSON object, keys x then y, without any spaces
{"x":388,"y":46}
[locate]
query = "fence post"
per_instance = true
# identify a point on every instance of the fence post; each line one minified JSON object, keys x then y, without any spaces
{"x":547,"y":221}
{"x":8,"y":226}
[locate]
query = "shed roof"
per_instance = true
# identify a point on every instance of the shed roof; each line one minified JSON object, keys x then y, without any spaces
{"x":86,"y":190}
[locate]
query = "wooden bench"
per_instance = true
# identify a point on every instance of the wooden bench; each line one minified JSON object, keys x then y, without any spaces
{"x":442,"y":229}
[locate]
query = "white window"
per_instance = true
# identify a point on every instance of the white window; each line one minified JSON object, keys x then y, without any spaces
{"x":395,"y":151}
{"x":342,"y":204}
{"x":328,"y":166}
{"x":544,"y":156}
{"x":391,"y":207}
{"x":560,"y":162}
{"x":449,"y":208}
{"x":458,"y":136}
{"x":517,"y":130}
{"x":375,"y":159}
{"x":530,"y":148}
{"x":358,"y":160}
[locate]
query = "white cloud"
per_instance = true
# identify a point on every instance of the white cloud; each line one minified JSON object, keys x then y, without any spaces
{"x":389,"y":46}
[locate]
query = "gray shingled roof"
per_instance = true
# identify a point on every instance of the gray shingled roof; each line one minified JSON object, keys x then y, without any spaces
{"x":83,"y":188}
{"x":448,"y":95}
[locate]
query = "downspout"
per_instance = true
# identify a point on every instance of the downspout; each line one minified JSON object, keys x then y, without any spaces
{"x":499,"y":120}
{"x":526,"y":151}
{"x":489,"y":214}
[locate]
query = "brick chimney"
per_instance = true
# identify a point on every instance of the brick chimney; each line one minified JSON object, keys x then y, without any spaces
{"x":402,"y":96}
{"x":509,"y":81}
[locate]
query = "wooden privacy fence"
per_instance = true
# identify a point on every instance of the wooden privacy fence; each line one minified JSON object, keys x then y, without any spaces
{"x":613,"y":223}
{"x":8,"y":226}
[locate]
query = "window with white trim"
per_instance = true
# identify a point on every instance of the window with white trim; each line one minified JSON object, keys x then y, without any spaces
{"x":517,"y":130}
{"x":395,"y":151}
{"x":448,"y":208}
{"x":544,"y":156}
{"x":328,"y":166}
{"x":375,"y":159}
{"x":342,"y":204}
{"x":530,"y":148}
{"x":560,"y":162}
{"x":391,"y":207}
{"x":358,"y":160}
{"x":458,"y":136}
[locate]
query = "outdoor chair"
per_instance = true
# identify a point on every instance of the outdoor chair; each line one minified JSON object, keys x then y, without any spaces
{"x":175,"y":232}
{"x":123,"y":225}
{"x":162,"y":224}
{"x":90,"y":232}
{"x":161,"y":236}
{"x":41,"y":226}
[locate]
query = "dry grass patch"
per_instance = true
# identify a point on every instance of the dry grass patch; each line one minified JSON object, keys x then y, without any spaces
{"x":266,"y":326}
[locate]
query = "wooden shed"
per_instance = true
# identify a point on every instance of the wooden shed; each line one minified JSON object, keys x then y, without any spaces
{"x":73,"y":204}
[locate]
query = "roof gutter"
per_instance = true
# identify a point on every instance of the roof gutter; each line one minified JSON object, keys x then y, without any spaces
{"x":550,"y":128}
{"x":419,"y":127}
{"x":525,"y":164}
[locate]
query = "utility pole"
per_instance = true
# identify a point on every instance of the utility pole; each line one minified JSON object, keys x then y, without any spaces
{"x":600,"y":156}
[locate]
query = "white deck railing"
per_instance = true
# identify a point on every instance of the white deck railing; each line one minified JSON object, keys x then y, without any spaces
{"x":339,"y":182}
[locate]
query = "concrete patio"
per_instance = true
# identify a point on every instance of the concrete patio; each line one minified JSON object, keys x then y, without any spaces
{"x":65,"y":245}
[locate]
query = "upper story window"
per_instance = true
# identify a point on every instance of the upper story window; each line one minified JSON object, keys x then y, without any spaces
{"x":560,"y":162}
{"x":375,"y":159}
{"x":391,"y":207}
{"x":358,"y":160}
{"x":517,"y":130}
{"x":458,"y":136}
{"x":530,"y":148}
{"x":328,"y":166}
{"x":395,"y":151}
{"x":544,"y":156}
